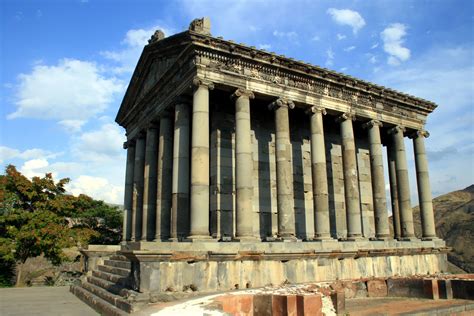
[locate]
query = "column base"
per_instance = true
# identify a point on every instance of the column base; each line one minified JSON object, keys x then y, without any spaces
{"x":246,"y":239}
{"x":430,"y":238}
{"x":355,"y":238}
{"x":383,"y":237}
{"x":199,"y":238}
{"x":411,"y":238}
{"x":322,"y":237}
{"x":287,"y":238}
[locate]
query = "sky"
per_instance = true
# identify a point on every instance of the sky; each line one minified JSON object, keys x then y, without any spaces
{"x":65,"y":65}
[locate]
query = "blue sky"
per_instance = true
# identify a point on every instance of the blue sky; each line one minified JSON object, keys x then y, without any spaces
{"x":65,"y":66}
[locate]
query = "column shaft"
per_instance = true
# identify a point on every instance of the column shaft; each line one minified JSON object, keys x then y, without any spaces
{"x":128,"y":196}
{"x":200,"y":163}
{"x":244,"y":165}
{"x":284,"y":176}
{"x":164,"y":183}
{"x":319,"y":175}
{"x":403,"y":185}
{"x":180,"y":181}
{"x":138,"y":175}
{"x":424,"y":188}
{"x":378,"y":182}
{"x":392,"y":175}
{"x":351,"y":179}
{"x":149,"y":190}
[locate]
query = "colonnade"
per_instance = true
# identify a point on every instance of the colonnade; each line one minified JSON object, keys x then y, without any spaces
{"x":167,"y":176}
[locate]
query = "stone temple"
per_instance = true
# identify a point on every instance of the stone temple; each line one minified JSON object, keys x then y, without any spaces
{"x":247,"y":168}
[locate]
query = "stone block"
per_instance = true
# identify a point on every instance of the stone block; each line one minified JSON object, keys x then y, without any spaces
{"x":403,"y":287}
{"x":309,"y":305}
{"x":377,"y":288}
{"x":339,"y":301}
{"x":430,"y":288}
{"x":279,"y":305}
{"x":262,"y":305}
{"x":463,"y":289}
{"x":445,"y":289}
{"x":291,"y":305}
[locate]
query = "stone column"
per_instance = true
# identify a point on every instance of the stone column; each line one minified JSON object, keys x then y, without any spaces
{"x":128,"y":196}
{"x":424,"y":188}
{"x":149,"y":181}
{"x":403,"y":186}
{"x":351,"y":179}
{"x":322,"y":229}
{"x":382,"y":230}
{"x":180,"y":177}
{"x":200,"y":161}
{"x":243,"y":165}
{"x":138,"y":175}
{"x":164,"y":183}
{"x":392,"y":175}
{"x":284,"y":176}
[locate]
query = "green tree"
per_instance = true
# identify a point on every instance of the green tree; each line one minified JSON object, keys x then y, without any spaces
{"x":37,"y":218}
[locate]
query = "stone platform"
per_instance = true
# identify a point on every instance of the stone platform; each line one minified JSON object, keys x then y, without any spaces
{"x":221,"y":266}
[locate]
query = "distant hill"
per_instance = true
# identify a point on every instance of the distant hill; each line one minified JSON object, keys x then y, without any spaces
{"x":454,"y":217}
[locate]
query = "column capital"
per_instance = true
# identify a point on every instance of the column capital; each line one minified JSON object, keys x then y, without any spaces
{"x":182,"y":99}
{"x":346,"y":116}
{"x":281,"y":102}
{"x":372,"y":123}
{"x":240,"y":92}
{"x":129,"y":143}
{"x":152,"y":125}
{"x":419,"y":133}
{"x":197,"y":82}
{"x":396,"y":129}
{"x":316,"y":109}
{"x":168,"y":113}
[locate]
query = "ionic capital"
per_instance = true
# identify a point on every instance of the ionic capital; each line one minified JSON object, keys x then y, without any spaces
{"x":372,"y":123}
{"x":316,"y":109}
{"x":182,"y":99}
{"x":128,"y":144}
{"x":419,"y":133}
{"x":152,"y":125}
{"x":396,"y":129}
{"x":240,"y":92}
{"x":198,"y":82}
{"x":346,"y":116}
{"x":281,"y":102}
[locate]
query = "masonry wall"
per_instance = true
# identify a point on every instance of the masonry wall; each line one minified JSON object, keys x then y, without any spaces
{"x":265,"y":204}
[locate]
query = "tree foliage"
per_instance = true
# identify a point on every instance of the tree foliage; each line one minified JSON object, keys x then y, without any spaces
{"x":37,"y":217}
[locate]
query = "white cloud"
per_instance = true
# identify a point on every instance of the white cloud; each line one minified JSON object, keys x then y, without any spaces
{"x":340,"y":37}
{"x":292,"y":35}
{"x":347,"y":17}
{"x":72,"y":126}
{"x":329,"y":57}
{"x":315,"y":38}
{"x":100,"y":145}
{"x":372,"y":60}
{"x":132,"y":46}
{"x":374,"y":46}
{"x":265,"y":46}
{"x":443,"y":75}
{"x":350,"y":48}
{"x":71,"y":90}
{"x":96,"y":187}
{"x":393,"y":38}
{"x":35,"y":168}
{"x":7,"y":154}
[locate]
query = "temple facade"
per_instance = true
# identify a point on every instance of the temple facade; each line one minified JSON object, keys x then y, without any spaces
{"x":244,"y":166}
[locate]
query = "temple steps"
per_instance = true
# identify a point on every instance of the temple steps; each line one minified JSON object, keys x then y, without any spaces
{"x":118,"y":263}
{"x":107,"y":288}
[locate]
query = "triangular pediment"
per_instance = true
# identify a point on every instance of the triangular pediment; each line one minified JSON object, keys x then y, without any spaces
{"x":155,"y":60}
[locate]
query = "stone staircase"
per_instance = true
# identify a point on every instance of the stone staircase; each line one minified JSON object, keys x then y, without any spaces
{"x":107,"y":289}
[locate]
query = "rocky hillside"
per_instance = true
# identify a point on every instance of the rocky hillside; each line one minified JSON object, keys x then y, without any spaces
{"x":454,"y":216}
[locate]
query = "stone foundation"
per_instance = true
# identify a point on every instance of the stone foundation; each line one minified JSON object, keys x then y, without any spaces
{"x":212,"y":266}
